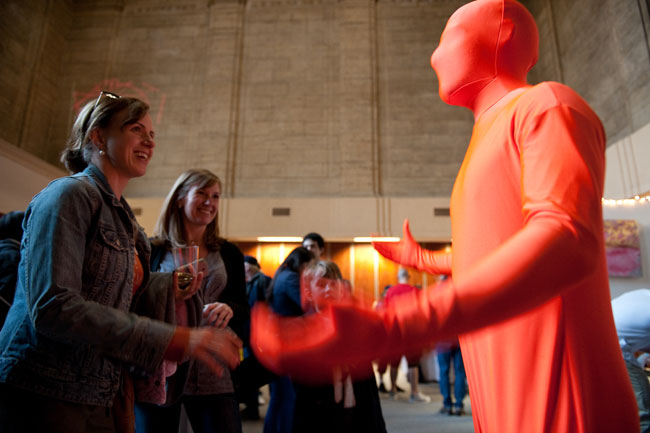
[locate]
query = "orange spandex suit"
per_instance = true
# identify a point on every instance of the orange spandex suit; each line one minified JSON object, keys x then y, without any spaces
{"x":530,"y":294}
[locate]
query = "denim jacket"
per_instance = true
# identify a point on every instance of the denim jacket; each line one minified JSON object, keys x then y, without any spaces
{"x":70,"y":329}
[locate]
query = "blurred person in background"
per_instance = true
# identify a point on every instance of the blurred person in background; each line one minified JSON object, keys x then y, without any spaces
{"x":285,"y":300}
{"x":252,"y":374}
{"x":345,"y":405}
{"x":11,"y":233}
{"x":632,"y":318}
{"x":256,"y":282}
{"x":315,"y":244}
{"x":403,"y":288}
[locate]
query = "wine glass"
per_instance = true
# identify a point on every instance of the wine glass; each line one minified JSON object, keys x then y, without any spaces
{"x":186,"y":263}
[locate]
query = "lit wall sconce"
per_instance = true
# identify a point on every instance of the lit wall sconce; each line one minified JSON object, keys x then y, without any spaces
{"x":375,"y":239}
{"x":297,"y":239}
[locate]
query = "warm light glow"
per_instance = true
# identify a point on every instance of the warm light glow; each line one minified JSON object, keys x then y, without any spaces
{"x":376,"y":239}
{"x":279,"y":239}
{"x":625,"y":201}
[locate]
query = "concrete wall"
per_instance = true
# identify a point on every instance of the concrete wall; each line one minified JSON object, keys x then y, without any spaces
{"x":601,"y":48}
{"x":33,"y":43}
{"x":22,"y":176}
{"x":337,"y":219}
{"x":627,"y":165}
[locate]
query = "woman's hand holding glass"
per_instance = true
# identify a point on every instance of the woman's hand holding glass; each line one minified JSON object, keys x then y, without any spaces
{"x":183,"y":291}
{"x":217,"y":314}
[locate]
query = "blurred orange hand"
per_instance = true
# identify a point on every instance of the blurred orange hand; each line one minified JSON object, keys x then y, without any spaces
{"x":206,"y":344}
{"x":311,"y":348}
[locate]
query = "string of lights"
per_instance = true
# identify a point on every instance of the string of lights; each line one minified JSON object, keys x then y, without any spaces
{"x":626,"y":201}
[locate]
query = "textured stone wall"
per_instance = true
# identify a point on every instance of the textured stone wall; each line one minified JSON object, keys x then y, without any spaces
{"x":306,"y":110}
{"x":294,"y":98}
{"x":32,"y":47}
{"x":601,"y":48}
{"x":422,"y":140}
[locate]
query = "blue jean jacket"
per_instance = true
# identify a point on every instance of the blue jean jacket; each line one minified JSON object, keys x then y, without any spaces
{"x":70,"y":331}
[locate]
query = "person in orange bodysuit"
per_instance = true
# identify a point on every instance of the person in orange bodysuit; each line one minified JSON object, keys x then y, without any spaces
{"x":529,"y":296}
{"x":528,"y":256}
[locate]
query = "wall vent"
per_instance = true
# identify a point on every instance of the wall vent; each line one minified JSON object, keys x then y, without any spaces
{"x":281,"y":211}
{"x":440,"y":211}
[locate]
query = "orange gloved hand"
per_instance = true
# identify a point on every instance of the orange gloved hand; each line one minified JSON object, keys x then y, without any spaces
{"x":408,"y":252}
{"x":344,"y":335}
{"x":311,"y":348}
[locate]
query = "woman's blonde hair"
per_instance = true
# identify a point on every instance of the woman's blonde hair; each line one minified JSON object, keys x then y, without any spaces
{"x":97,"y":114}
{"x":169,"y":227}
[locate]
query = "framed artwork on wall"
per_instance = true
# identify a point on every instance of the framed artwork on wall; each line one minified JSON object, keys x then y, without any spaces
{"x":622,"y":248}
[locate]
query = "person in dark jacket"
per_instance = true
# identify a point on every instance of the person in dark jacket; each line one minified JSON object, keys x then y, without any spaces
{"x":189,"y":217}
{"x":252,"y":374}
{"x":284,"y":298}
{"x":11,"y":232}
{"x":256,"y":281}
